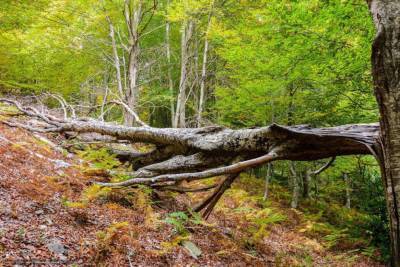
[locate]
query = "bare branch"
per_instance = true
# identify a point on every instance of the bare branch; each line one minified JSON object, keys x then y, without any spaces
{"x":29,"y":128}
{"x":326,"y":166}
{"x":184,"y":189}
{"x":30,"y":111}
{"x":128,"y":109}
{"x":231,"y":169}
{"x":62,"y":104}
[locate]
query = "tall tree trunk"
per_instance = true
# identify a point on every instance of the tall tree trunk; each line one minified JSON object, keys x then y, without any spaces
{"x":204,"y":70}
{"x":386,"y":76}
{"x":133,"y":16}
{"x":316,"y":188}
{"x":291,"y":105}
{"x":306,"y":183}
{"x":117,"y":64}
{"x":267,"y":180}
{"x":105,"y":96}
{"x":180,"y":114}
{"x":296,"y":188}
{"x":170,"y":81}
{"x":348,"y":190}
{"x":270,"y":166}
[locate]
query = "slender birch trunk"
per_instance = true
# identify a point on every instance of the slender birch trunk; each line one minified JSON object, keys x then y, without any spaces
{"x":204,"y":70}
{"x":348,"y":190}
{"x":170,"y":81}
{"x":296,"y":188}
{"x":270,"y":166}
{"x":180,"y":115}
{"x":105,"y":97}
{"x":117,"y":64}
{"x":306,"y":183}
{"x":267,"y":180}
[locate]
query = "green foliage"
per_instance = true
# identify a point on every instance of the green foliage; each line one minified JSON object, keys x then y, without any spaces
{"x":74,"y":204}
{"x":181,"y":221}
{"x":335,"y":237}
{"x":89,"y":194}
{"x":120,"y":178}
{"x":99,"y":158}
{"x":95,"y":192}
{"x":263,"y":219}
{"x":178,"y":220}
{"x":308,"y":56}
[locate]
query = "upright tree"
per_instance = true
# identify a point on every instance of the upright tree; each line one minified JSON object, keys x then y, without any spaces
{"x":386,"y":77}
{"x":186,"y":36}
{"x":134,"y":11}
{"x":203,"y":78}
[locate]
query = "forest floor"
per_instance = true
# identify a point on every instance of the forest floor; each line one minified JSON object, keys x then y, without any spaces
{"x":50,"y":215}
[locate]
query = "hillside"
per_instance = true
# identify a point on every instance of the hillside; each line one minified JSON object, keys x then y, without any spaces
{"x":52,"y":216}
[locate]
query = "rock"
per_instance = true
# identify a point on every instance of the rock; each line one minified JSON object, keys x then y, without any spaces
{"x":29,"y":204}
{"x":39,"y":212}
{"x":42,"y":227}
{"x":56,"y":247}
{"x":61,"y":164}
{"x":227,"y":232}
{"x":194,"y":251}
{"x":49,"y":221}
{"x":63,"y":258}
{"x":6,"y":211}
{"x":30,"y":247}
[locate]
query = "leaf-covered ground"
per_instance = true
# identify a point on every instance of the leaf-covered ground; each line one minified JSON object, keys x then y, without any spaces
{"x":50,"y":215}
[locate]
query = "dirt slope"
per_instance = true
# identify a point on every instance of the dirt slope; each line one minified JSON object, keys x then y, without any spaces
{"x":38,"y":229}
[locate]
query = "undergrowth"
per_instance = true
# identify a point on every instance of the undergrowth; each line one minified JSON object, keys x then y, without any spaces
{"x":335,"y":227}
{"x":106,"y":238}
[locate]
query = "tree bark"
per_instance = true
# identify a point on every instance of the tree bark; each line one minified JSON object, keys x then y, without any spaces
{"x":180,"y":114}
{"x":295,"y":186}
{"x":386,"y":76}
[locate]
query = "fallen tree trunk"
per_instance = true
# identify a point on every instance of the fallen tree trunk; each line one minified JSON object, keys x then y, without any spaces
{"x":199,"y":153}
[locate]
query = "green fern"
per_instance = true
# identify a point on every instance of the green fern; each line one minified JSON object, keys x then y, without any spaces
{"x":100,"y":158}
